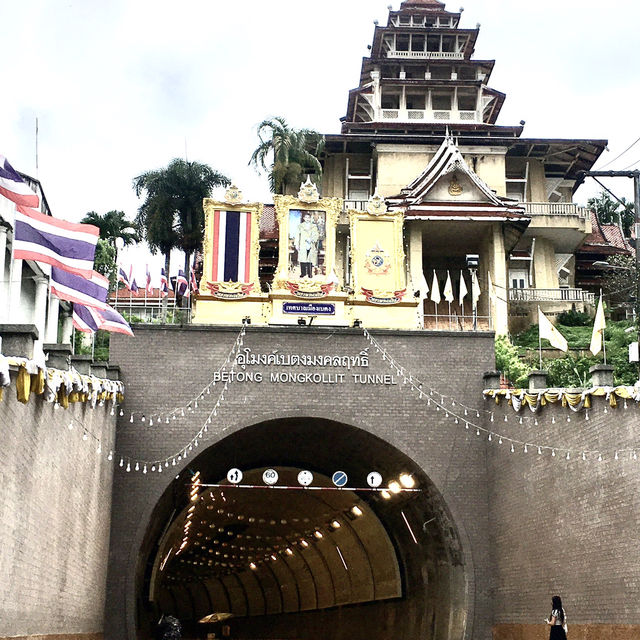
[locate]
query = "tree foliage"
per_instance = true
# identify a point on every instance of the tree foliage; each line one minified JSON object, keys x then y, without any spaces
{"x":610,"y":211}
{"x":620,"y":281}
{"x":286,"y":154}
{"x":112,"y":225}
{"x":172,"y":215}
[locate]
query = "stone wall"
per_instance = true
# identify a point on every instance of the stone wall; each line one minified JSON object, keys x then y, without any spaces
{"x":165,"y":366}
{"x":567,"y":527}
{"x":55,"y":499}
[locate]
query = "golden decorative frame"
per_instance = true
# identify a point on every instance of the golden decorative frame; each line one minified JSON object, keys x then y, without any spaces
{"x":358,"y":252}
{"x":331,"y":208}
{"x":233,"y":290}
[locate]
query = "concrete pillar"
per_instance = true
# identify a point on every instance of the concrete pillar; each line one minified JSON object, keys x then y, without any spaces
{"x":113,"y":372}
{"x":601,"y":375}
{"x":544,"y":265}
{"x":58,"y":356}
{"x":499,"y":276}
{"x":15,"y":292}
{"x":99,"y":370}
{"x":67,"y":328}
{"x":52,"y":320}
{"x":415,"y":264}
{"x":40,"y":311}
{"x":491,"y":380}
{"x":538,"y":380}
{"x":82,"y":364}
{"x":17,"y":339}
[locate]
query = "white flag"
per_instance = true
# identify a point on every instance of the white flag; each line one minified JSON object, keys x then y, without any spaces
{"x":424,"y":287}
{"x":550,"y":333}
{"x":448,"y":289}
{"x":463,"y":289}
{"x":598,"y":330}
{"x":493,"y":296}
{"x":475,"y":288}
{"x":435,"y":289}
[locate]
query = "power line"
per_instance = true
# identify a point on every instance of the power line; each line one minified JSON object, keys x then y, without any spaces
{"x":620,"y":155}
{"x":632,"y":165}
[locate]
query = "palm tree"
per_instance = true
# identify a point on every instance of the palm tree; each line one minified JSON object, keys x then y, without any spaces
{"x":610,"y":211}
{"x":172,"y":215}
{"x":112,"y":225}
{"x":294,"y":153}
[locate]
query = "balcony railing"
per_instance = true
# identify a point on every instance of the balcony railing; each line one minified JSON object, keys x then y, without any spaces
{"x":451,"y":115}
{"x":433,"y":55}
{"x":551,"y":295}
{"x":555,"y":209}
{"x":358,"y":205}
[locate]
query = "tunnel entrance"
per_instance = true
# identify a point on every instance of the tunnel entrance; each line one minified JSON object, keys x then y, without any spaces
{"x":256,"y":561}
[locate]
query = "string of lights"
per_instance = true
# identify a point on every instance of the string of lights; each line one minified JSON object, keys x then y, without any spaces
{"x":494,"y":436}
{"x":167,"y":415}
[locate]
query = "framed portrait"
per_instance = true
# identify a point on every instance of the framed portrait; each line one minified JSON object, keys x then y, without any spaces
{"x":306,"y":255}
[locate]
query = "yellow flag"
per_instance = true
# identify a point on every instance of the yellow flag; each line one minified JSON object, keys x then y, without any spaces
{"x":598,"y":330}
{"x":550,"y":333}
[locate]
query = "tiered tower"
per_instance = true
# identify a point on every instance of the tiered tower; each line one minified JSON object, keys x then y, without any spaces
{"x":421,"y":72}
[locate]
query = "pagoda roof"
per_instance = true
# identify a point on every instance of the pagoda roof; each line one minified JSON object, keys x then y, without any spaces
{"x":605,"y":238}
{"x":422,"y":5}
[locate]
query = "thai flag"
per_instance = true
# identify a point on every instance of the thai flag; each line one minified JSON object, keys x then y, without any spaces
{"x":182,"y":286}
{"x":85,"y":319}
{"x":148,"y":288}
{"x":192,"y":281}
{"x":91,"y":292}
{"x":134,"y":286}
{"x":13,"y":187}
{"x":231,"y":246}
{"x":112,"y":321}
{"x":89,"y":319}
{"x":124,"y":278}
{"x":66,"y":245}
{"x":165,"y":283}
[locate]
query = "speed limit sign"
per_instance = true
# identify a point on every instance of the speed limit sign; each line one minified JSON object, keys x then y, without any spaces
{"x":270,"y":476}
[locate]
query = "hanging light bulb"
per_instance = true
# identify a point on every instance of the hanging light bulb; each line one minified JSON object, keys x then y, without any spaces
{"x":568,"y":456}
{"x":526,"y":449}
{"x":616,"y":456}
{"x":110,"y":456}
{"x":500,"y":440}
{"x":539,"y":451}
{"x":553,"y":453}
{"x":151,"y":422}
{"x":489,"y":438}
{"x":635,"y":455}
{"x":568,"y":418}
{"x":128,"y":467}
{"x":477,"y":432}
{"x":512,"y":448}
{"x":182,"y":412}
{"x":85,"y":436}
{"x":131,"y":418}
{"x":121,"y":413}
{"x":99,"y":448}
{"x":492,"y":417}
{"x":505,"y":418}
{"x":121,"y":462}
{"x":586,"y":415}
{"x":535,"y":421}
{"x":144,"y":469}
{"x":553,"y":420}
{"x":599,"y":457}
{"x":137,"y":467}
{"x":584,"y":455}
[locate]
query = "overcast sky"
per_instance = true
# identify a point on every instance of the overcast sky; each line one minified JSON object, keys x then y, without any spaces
{"x":123,"y":86}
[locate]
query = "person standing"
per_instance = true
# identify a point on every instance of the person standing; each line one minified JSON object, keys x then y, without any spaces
{"x":557,"y":620}
{"x":307,"y":245}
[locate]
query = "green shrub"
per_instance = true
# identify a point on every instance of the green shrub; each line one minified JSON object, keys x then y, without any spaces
{"x":574,"y":319}
{"x":509,"y":363}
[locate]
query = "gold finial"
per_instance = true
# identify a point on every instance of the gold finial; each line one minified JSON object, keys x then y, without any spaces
{"x":308,"y":192}
{"x":233,"y":195}
{"x":376,"y":205}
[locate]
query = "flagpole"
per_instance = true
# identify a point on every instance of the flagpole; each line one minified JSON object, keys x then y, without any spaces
{"x":539,"y":339}
{"x":604,"y":347}
{"x":449,"y":316}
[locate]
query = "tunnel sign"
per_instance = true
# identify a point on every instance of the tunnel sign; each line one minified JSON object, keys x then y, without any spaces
{"x":374,"y":479}
{"x":270,"y":476}
{"x":234,"y":476}
{"x":339,"y":478}
{"x":305,"y":478}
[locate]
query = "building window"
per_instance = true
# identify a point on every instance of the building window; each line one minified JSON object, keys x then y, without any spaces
{"x":433,"y":43}
{"x":390,"y":101}
{"x":402,"y":42}
{"x":466,"y":102}
{"x":441,"y":72}
{"x":416,"y":100}
{"x":417,"y":43}
{"x":441,"y":102}
{"x":448,"y":43}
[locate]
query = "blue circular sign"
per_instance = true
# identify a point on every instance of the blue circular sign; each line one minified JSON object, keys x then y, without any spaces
{"x":339,"y":478}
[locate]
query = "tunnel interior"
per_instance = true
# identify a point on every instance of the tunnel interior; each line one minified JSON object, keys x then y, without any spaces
{"x":284,"y":561}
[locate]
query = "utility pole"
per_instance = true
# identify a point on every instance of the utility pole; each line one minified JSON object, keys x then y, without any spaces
{"x":635,"y":175}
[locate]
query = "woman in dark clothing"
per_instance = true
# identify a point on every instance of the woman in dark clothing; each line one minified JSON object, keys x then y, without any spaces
{"x":557,"y":620}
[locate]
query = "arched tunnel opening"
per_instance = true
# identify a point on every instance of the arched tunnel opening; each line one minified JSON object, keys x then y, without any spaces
{"x":257,"y":561}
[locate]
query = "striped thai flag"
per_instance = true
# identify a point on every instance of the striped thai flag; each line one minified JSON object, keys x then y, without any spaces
{"x":165,"y":283}
{"x":89,"y":319}
{"x":124,"y":278}
{"x":182,"y":286}
{"x":85,"y":319}
{"x":66,"y":245}
{"x":148,"y":287}
{"x":13,"y":187}
{"x":91,"y":292}
{"x":231,"y":246}
{"x":192,"y":281}
{"x":112,"y":321}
